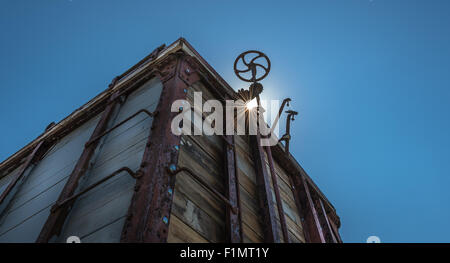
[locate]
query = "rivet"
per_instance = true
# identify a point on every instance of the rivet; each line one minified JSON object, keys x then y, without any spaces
{"x":177,"y":147}
{"x":180,"y":108}
{"x":165,"y":220}
{"x":185,"y":90}
{"x":170,"y":191}
{"x":188,"y":70}
{"x":172,"y":168}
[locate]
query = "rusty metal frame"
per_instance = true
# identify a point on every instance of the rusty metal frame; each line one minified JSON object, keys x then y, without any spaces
{"x":317,"y":234}
{"x":8,"y":194}
{"x":20,"y":174}
{"x":263,"y":185}
{"x":70,"y":199}
{"x":233,"y":220}
{"x":148,"y":215}
{"x":301,"y":207}
{"x":56,"y":219}
{"x":335,"y":230}
{"x":329,"y":235}
{"x":307,"y":210}
{"x":276,"y":189}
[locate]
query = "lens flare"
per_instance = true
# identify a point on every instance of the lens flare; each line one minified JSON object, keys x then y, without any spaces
{"x":251,"y":104}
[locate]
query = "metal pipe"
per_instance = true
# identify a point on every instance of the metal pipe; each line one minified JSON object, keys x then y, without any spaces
{"x":204,"y":184}
{"x":135,"y":175}
{"x":285,"y":102}
{"x":287,"y":136}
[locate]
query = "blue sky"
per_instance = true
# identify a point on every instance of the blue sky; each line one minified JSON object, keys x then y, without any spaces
{"x":370,"y":80}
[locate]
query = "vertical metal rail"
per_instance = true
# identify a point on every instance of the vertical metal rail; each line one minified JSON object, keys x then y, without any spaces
{"x":233,"y":220}
{"x":148,"y":215}
{"x":14,"y":185}
{"x":307,"y":210}
{"x":56,"y":219}
{"x":329,"y":230}
{"x":276,"y":189}
{"x":319,"y":235}
{"x":335,"y":231}
{"x":301,"y":207}
{"x":264,"y":191}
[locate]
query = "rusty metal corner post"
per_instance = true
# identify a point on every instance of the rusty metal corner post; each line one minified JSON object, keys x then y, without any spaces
{"x":148,"y":215}
{"x":57,"y":217}
{"x":233,"y":219}
{"x":281,"y":214}
{"x":312,"y":226}
{"x":266,"y":205}
{"x":264,"y":192}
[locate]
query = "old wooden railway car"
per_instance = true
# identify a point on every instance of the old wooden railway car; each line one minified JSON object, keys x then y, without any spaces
{"x":113,"y":172}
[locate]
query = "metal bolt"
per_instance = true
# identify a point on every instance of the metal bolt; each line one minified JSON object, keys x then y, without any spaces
{"x":170,"y":191}
{"x":172,"y":168}
{"x":188,"y":70}
{"x":165,"y":220}
{"x":177,"y":147}
{"x":185,"y":90}
{"x":180,"y":108}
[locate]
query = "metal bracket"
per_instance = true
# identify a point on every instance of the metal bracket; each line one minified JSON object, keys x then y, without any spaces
{"x":66,"y":201}
{"x":150,"y":114}
{"x":287,"y":136}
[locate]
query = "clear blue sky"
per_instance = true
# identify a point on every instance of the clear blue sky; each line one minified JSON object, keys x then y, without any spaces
{"x":370,"y":80}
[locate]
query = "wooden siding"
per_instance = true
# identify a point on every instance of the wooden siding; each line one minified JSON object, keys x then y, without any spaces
{"x":194,"y":208}
{"x":98,"y":215}
{"x":27,"y":212}
{"x":197,"y":216}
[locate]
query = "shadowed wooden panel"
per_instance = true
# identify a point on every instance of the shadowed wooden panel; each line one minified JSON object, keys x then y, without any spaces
{"x":101,"y":208}
{"x":23,"y":220}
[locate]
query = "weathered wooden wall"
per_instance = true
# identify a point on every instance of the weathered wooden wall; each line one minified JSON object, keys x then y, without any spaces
{"x":27,"y":212}
{"x":98,"y":215}
{"x":197,"y":216}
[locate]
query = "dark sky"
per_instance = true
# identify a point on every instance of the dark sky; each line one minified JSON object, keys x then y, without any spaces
{"x":370,"y":80}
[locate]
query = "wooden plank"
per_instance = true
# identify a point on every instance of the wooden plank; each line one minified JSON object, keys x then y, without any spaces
{"x":106,"y":234}
{"x":179,"y":232}
{"x":196,"y":160}
{"x":195,"y":217}
{"x":202,"y":198}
